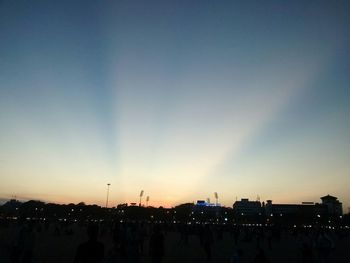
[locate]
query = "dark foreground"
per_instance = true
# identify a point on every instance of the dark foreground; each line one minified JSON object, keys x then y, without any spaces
{"x":58,"y":243}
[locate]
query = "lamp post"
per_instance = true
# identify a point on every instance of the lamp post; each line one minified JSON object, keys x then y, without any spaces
{"x":107,"y":194}
{"x":216,"y":198}
{"x":141,"y":194}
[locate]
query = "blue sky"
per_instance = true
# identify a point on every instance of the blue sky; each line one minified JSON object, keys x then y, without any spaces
{"x":180,"y":99}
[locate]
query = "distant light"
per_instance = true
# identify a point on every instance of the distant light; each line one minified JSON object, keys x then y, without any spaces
{"x":318,"y":216}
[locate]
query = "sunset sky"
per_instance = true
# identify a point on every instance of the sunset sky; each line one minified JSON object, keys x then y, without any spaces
{"x":180,"y":99}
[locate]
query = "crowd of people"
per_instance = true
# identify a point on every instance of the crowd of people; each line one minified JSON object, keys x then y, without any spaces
{"x":147,"y":242}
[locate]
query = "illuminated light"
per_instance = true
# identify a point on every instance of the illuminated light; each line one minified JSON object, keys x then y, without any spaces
{"x":225,"y":218}
{"x":318,"y":216}
{"x":271,"y":215}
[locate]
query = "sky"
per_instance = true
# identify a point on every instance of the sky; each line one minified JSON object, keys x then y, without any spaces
{"x":180,"y":99}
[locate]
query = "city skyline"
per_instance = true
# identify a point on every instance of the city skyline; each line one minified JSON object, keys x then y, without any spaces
{"x":180,"y":99}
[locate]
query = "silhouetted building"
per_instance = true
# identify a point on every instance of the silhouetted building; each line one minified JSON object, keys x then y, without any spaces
{"x":330,"y":206}
{"x":246,"y":207}
{"x":304,"y":209}
{"x":334,"y":207}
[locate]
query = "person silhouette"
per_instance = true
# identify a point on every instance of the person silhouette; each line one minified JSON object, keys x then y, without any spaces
{"x":260,"y":257}
{"x":91,"y":251}
{"x":208,"y":240}
{"x":156,"y":245}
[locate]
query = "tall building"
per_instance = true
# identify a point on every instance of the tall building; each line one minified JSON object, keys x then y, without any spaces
{"x":247,"y":208}
{"x":334,"y":207}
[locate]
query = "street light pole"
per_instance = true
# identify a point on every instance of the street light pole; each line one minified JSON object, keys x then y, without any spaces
{"x":141,"y":194}
{"x":107,"y":195}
